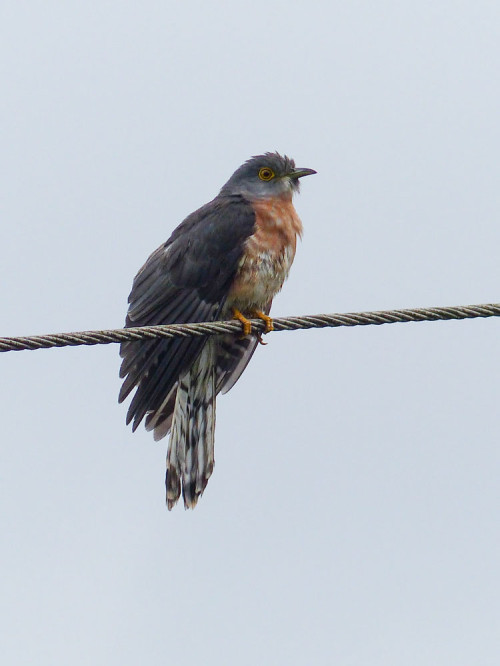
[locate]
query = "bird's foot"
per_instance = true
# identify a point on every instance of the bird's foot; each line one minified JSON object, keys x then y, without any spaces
{"x":246,"y":323}
{"x":268,"y":322}
{"x":266,"y":319}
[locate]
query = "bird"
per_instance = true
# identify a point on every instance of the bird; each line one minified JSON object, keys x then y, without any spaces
{"x":226,"y":260}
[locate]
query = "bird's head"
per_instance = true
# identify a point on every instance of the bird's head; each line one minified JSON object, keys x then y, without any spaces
{"x":266,"y":176}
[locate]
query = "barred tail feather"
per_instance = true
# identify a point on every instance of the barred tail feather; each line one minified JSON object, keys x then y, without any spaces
{"x":190,"y":458}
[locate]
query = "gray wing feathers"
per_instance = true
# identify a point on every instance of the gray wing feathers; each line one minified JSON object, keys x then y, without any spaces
{"x":185,"y":280}
{"x":233,"y":356}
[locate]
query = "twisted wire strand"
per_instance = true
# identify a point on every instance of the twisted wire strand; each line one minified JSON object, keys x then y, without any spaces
{"x":376,"y":318}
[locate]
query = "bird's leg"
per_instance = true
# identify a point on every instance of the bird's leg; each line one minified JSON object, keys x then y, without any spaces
{"x":247,"y":324}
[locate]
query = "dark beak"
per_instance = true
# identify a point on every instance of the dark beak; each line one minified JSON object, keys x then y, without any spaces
{"x":298,"y":173}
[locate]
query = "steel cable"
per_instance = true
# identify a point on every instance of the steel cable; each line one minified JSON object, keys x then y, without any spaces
{"x":376,"y":318}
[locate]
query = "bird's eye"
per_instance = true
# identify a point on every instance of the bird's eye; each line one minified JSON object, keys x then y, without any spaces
{"x":266,"y":173}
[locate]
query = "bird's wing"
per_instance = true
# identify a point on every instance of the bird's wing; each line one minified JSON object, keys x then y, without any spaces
{"x":185,"y":280}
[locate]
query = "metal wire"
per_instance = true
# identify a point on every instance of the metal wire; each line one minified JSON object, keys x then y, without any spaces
{"x":376,"y":318}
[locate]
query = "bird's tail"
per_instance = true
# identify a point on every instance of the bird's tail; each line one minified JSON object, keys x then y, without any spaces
{"x":190,"y":458}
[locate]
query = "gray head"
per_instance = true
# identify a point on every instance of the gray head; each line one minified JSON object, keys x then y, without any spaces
{"x":266,"y":176}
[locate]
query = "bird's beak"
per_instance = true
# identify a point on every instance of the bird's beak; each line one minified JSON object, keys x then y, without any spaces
{"x":298,"y":173}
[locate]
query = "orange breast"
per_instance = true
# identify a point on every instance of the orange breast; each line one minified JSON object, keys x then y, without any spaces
{"x":268,"y":254}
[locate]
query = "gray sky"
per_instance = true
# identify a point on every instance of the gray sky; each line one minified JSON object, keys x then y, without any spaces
{"x":353,"y":515}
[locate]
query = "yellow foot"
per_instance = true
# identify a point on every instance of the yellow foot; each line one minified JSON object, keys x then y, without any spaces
{"x":247,"y":324}
{"x":265,"y":318}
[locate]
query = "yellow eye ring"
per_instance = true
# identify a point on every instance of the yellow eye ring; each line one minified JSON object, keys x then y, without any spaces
{"x":266,"y":173}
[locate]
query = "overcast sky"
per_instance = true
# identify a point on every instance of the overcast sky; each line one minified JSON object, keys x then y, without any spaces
{"x":353,"y":516}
